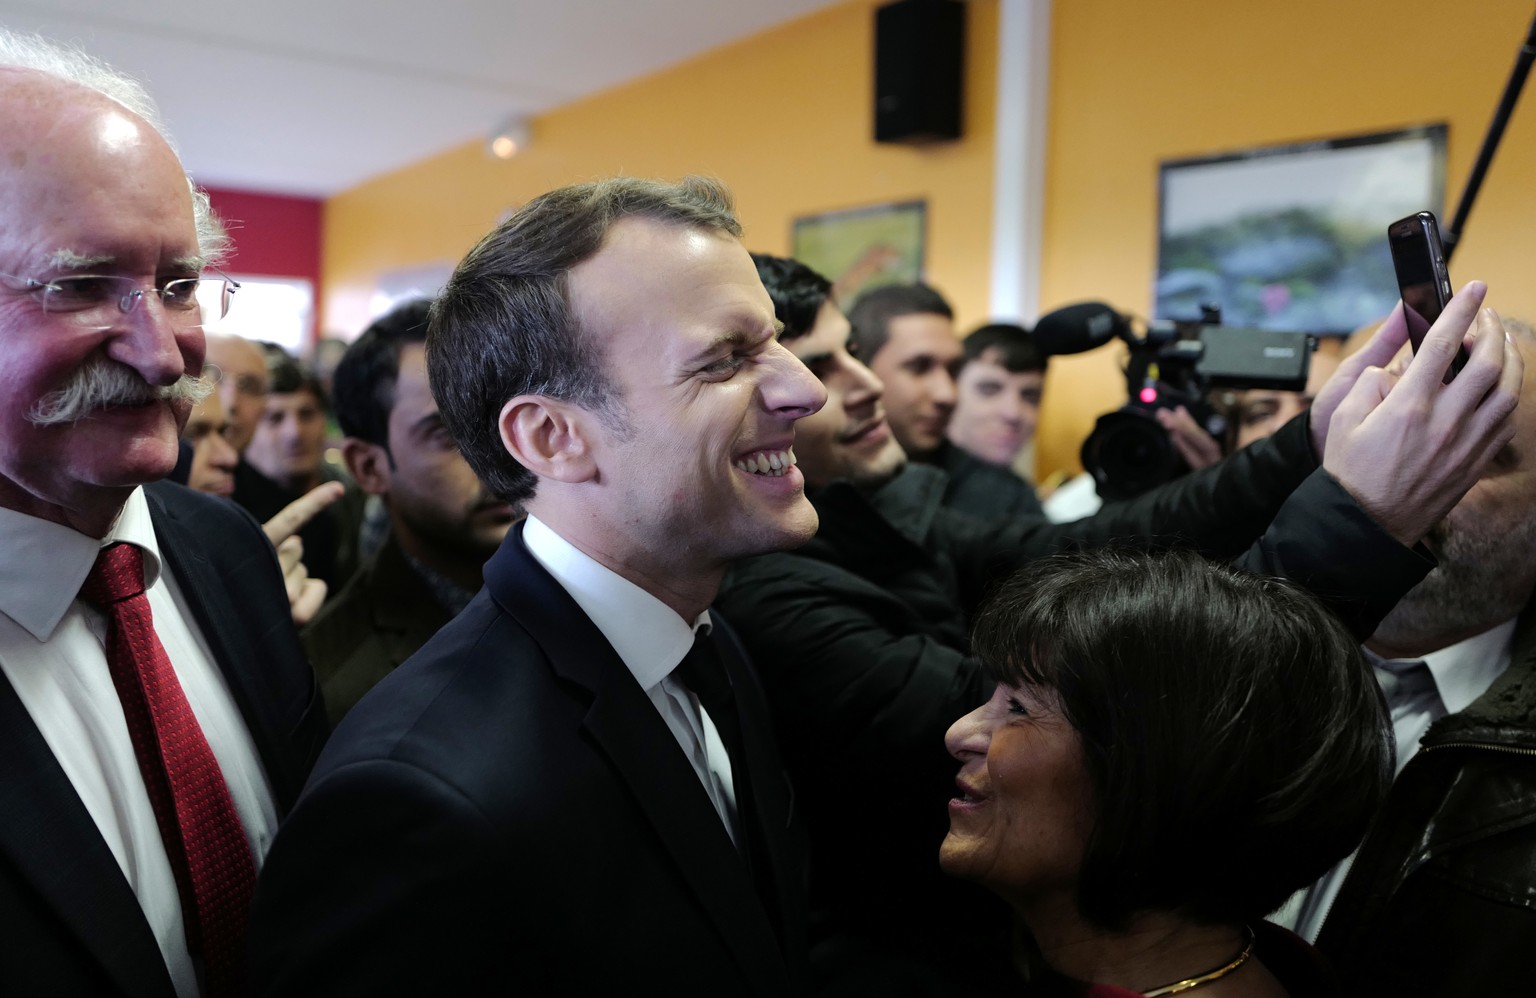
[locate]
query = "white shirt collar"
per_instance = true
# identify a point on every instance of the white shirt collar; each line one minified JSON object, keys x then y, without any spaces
{"x":647,"y":634}
{"x":1464,"y":671}
{"x":45,"y":563}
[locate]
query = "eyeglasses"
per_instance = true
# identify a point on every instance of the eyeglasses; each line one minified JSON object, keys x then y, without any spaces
{"x":89,"y":300}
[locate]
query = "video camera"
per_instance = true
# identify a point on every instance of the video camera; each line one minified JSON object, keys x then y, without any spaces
{"x":1170,"y":364}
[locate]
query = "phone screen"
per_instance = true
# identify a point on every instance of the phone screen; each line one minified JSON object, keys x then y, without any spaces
{"x":1419,"y":260}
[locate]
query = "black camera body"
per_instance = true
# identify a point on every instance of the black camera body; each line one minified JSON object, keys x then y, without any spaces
{"x":1175,"y":364}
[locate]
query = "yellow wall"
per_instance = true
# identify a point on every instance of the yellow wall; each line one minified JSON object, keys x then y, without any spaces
{"x":783,"y":118}
{"x":1133,"y":83}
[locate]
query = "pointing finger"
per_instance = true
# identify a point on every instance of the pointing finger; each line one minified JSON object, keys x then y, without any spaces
{"x":292,"y":518}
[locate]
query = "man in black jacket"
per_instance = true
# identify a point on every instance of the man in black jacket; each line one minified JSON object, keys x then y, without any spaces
{"x":863,"y":636}
{"x":905,"y":333}
{"x":443,"y":522}
{"x":998,"y":389}
{"x":572,"y":789}
{"x":1440,"y":899}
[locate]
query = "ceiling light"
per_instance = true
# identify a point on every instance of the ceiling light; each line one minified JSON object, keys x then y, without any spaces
{"x":510,"y":139}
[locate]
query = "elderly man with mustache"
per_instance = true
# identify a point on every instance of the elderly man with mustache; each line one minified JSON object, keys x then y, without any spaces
{"x":157,"y":716}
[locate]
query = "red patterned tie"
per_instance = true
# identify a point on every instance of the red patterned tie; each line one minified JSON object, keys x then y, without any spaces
{"x":203,"y":836}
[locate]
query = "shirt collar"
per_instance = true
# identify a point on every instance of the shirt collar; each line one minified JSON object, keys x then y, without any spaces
{"x":1464,"y":671}
{"x":45,"y":563}
{"x":647,"y":634}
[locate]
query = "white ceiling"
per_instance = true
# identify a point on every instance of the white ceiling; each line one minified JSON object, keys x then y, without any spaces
{"x":311,"y":97}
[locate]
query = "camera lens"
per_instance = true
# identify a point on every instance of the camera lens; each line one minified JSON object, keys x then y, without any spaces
{"x":1128,"y":453}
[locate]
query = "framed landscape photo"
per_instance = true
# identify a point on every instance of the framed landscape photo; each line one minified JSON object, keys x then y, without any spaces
{"x":1293,"y":237}
{"x":862,"y":248}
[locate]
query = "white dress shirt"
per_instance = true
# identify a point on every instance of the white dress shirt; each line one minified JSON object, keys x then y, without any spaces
{"x":52,"y":650}
{"x":1461,"y":673}
{"x":651,"y":639}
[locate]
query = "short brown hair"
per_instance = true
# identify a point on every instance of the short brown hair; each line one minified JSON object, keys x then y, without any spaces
{"x":871,"y":315}
{"x":503,"y":326}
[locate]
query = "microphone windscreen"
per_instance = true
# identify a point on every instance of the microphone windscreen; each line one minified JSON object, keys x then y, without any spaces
{"x":1080,"y":327}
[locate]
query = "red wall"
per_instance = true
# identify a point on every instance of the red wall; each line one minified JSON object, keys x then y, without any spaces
{"x":275,"y":236}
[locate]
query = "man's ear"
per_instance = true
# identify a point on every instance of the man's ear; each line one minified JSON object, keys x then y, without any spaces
{"x":549,"y":437}
{"x":368,"y":463}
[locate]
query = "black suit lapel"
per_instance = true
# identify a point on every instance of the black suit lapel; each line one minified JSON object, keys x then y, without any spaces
{"x":772,"y":804}
{"x":624,"y":723}
{"x":669,"y":793}
{"x":207,"y":597}
{"x":49,"y":836}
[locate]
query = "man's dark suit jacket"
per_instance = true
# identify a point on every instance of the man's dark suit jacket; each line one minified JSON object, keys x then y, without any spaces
{"x":69,"y":923}
{"x":368,"y":629}
{"x":507,"y":812}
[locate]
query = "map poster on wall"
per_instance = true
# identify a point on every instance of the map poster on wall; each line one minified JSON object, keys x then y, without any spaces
{"x":1293,"y":237}
{"x":863,"y":248}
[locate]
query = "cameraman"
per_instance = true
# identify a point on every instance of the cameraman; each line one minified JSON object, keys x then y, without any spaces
{"x":1250,"y":414}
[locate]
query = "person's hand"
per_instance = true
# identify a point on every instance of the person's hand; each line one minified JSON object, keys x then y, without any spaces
{"x":1198,"y":448}
{"x":292,"y":518}
{"x":1408,"y":447}
{"x":304,"y":594}
{"x":1388,"y":342}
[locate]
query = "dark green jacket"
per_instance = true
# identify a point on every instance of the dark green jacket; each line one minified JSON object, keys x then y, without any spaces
{"x":376,"y":622}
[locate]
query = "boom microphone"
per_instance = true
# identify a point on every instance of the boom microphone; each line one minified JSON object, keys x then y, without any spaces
{"x":1078,"y":328}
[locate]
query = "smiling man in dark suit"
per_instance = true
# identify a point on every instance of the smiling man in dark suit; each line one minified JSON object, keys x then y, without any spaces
{"x":156,"y":712}
{"x":573,"y":788}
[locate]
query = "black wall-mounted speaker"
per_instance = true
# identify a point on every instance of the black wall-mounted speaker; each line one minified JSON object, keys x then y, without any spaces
{"x":919,"y":71}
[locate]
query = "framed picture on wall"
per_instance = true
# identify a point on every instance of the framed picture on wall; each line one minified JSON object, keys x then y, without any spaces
{"x":1293,"y":237}
{"x":862,"y":248}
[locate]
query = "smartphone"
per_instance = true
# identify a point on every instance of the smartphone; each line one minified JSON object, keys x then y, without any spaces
{"x":1422,"y":279}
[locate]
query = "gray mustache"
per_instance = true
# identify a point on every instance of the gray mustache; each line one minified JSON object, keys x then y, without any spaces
{"x":103,"y":383}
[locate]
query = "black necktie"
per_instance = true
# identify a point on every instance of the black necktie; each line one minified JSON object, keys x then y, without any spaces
{"x":704,"y":674}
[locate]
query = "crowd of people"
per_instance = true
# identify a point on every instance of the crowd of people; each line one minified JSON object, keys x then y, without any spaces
{"x":665,"y":627}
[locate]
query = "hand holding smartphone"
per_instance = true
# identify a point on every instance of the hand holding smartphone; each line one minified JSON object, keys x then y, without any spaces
{"x":1422,"y":278}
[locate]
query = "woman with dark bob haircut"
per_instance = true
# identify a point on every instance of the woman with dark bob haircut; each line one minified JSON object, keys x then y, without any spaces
{"x":1174,"y":747}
